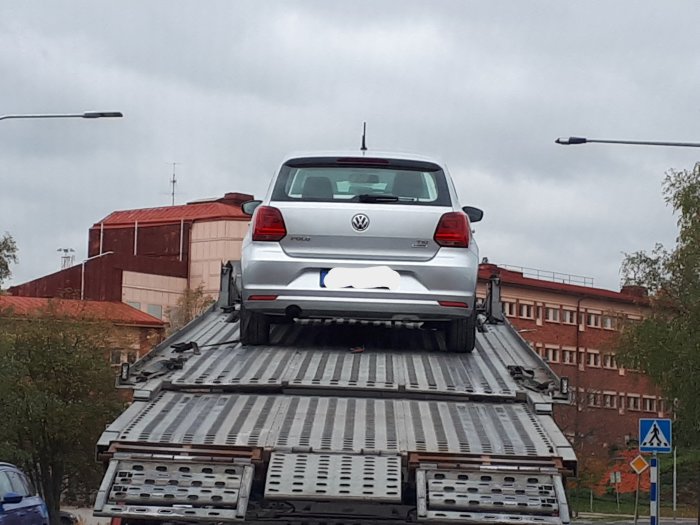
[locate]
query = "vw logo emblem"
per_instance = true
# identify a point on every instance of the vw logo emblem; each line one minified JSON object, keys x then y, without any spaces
{"x":360,"y":222}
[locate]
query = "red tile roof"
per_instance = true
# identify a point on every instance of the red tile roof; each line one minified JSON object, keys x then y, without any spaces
{"x":117,"y":313}
{"x":172,"y":214}
{"x":517,"y":279}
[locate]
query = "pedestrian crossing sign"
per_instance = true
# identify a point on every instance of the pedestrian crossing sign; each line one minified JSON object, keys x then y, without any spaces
{"x":655,"y":435}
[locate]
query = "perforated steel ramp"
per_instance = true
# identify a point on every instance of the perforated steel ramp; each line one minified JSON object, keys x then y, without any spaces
{"x":175,"y":489}
{"x":491,"y":495}
{"x":334,"y":477}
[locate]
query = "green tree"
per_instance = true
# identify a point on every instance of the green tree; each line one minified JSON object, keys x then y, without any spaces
{"x":8,"y":255}
{"x":666,"y":344}
{"x":57,"y":392}
{"x":189,"y":305}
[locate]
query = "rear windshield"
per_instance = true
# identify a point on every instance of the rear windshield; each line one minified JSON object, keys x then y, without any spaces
{"x":387,"y":185}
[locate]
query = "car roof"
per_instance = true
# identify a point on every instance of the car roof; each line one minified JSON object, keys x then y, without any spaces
{"x":6,"y":465}
{"x":369,"y":154}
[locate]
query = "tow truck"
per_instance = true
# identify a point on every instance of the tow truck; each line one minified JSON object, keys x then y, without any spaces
{"x":337,"y":422}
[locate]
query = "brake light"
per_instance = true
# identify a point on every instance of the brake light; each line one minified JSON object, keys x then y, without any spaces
{"x":453,"y":230}
{"x":262,"y":297}
{"x":363,"y":161}
{"x":269,"y":224}
{"x":453,"y":304}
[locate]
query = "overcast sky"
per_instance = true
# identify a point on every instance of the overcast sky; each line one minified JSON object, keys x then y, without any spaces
{"x":226,"y":89}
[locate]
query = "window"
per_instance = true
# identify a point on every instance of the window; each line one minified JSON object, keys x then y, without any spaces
{"x":568,"y":357}
{"x":155,"y":310}
{"x":649,"y":404}
{"x":609,"y":322}
{"x":609,"y":400}
{"x":593,"y":320}
{"x":551,"y":314}
{"x":569,"y":317}
{"x":593,"y":359}
{"x":526,"y":311}
{"x":134,"y":304}
{"x":403,"y":182}
{"x":5,"y":486}
{"x":17,"y":484}
{"x":115,"y":357}
{"x":553,"y":355}
{"x":633,"y":402}
{"x":593,"y":399}
{"x":509,"y":309}
{"x":609,"y":361}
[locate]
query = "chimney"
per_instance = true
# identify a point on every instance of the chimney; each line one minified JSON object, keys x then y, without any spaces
{"x":634,"y":290}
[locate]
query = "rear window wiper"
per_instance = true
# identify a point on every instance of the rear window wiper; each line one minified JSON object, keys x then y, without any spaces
{"x":370,"y":197}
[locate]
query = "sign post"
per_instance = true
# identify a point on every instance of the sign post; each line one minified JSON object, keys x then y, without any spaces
{"x":639,"y":465}
{"x":655,"y":436}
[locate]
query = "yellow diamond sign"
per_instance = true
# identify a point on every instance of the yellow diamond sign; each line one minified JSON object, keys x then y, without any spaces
{"x":639,"y":464}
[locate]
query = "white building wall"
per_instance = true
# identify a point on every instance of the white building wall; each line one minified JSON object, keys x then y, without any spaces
{"x":152,"y":293}
{"x":211,"y":244}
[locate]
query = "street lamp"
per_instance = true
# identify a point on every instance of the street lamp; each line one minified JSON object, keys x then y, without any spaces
{"x":570,"y":141}
{"x":87,"y":114}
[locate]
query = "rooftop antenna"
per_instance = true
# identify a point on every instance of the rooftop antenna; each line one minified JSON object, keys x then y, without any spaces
{"x":173,"y":181}
{"x":364,"y":133}
{"x":67,"y":257}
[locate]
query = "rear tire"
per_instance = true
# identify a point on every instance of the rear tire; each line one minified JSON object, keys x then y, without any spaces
{"x":255,"y":328}
{"x":460,"y":334}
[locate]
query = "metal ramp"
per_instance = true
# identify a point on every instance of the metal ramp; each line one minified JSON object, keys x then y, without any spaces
{"x":334,"y":477}
{"x":491,"y":495}
{"x":336,"y":422}
{"x":177,"y":488}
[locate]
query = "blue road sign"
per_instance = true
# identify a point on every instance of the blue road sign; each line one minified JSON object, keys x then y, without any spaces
{"x":655,"y":435}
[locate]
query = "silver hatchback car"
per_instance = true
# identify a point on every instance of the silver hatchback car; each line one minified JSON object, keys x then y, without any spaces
{"x":378,"y":237}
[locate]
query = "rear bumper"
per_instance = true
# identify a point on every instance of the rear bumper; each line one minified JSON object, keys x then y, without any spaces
{"x":295,"y":282}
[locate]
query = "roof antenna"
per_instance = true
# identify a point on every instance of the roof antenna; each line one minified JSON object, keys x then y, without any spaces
{"x":364,"y":132}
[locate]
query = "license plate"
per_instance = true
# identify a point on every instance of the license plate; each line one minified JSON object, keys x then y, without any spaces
{"x":373,"y":277}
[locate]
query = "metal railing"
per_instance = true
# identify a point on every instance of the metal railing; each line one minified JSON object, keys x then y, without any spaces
{"x":548,"y":275}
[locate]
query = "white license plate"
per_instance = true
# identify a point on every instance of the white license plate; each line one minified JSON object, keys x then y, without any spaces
{"x":361,"y":278}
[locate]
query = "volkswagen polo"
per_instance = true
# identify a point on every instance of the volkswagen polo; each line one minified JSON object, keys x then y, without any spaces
{"x":380,"y":237}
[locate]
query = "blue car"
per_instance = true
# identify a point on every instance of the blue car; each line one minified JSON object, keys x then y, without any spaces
{"x":19,"y":502}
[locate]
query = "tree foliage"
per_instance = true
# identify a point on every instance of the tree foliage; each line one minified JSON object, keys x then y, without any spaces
{"x":8,"y":255}
{"x":57,"y":392}
{"x":190,"y":304}
{"x":666,"y":344}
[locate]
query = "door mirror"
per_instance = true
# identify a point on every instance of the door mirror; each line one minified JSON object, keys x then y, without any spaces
{"x":474,"y":214}
{"x":249,"y":207}
{"x":11,"y":498}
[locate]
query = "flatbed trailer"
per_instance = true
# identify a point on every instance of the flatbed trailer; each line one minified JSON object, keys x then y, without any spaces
{"x":336,"y":422}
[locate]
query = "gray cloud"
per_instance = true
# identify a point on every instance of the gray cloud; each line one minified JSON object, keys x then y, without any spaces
{"x":229,"y":88}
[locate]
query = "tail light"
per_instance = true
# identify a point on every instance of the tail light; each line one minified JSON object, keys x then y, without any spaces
{"x":269,"y":224}
{"x":453,"y":304}
{"x":453,"y":230}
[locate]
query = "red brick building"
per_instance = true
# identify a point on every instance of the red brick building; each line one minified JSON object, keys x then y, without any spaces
{"x":574,"y":327}
{"x":136,"y":332}
{"x":148,"y":257}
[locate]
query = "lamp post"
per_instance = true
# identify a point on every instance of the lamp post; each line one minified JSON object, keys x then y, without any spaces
{"x":87,"y":114}
{"x":571,"y":141}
